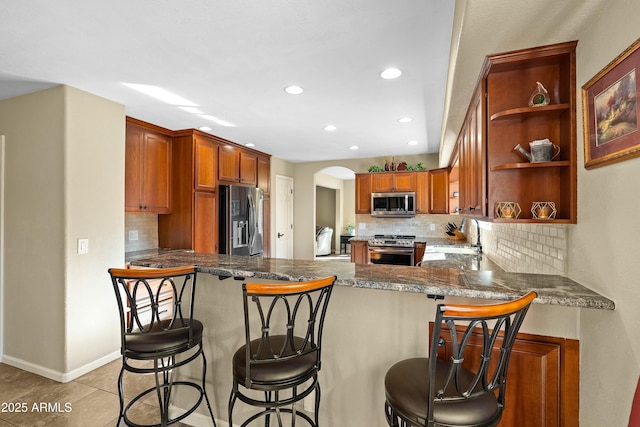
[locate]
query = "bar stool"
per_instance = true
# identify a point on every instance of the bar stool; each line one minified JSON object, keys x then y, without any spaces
{"x":468,"y":387}
{"x":157,"y":324}
{"x":280,"y":359}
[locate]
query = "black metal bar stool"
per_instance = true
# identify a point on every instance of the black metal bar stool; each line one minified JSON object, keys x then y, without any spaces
{"x":157,"y":324}
{"x":467,"y":388}
{"x":279,"y":363}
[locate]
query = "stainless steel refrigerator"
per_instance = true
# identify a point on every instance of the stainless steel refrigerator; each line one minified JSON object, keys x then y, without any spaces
{"x":241,"y":220}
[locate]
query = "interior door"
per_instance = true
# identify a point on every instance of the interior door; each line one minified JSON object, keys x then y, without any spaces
{"x":284,"y":217}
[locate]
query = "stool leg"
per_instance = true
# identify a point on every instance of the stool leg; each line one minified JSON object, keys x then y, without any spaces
{"x":121,"y":393}
{"x":317,"y":408}
{"x":232,"y":401}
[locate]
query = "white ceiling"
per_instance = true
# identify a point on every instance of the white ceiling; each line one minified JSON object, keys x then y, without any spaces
{"x":234,"y":58}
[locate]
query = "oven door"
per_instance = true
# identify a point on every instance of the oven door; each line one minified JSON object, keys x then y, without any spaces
{"x":390,"y":255}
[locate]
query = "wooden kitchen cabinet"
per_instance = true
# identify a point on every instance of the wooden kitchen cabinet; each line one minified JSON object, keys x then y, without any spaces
{"x":228,"y":163}
{"x":543,"y":379}
{"x":439,"y":191}
{"x":500,"y":117}
{"x":147,"y":168}
{"x":193,"y":223}
{"x":418,"y":251}
{"x":206,"y":164}
{"x":422,"y":192}
{"x":363,"y":193}
{"x":472,"y":157}
{"x":237,"y":165}
{"x":385,"y":182}
{"x":264,"y":174}
{"x":205,"y":222}
{"x":360,"y":251}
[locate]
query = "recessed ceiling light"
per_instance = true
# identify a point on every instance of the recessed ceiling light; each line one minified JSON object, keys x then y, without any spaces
{"x":405,"y":119}
{"x":412,"y":143}
{"x":330,"y":128}
{"x":354,"y":147}
{"x":293,"y":90}
{"x":161,"y":94}
{"x":205,"y":128}
{"x":250,"y":144}
{"x":391,"y":73}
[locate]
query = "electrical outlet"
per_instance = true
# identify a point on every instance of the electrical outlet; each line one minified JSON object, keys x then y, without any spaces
{"x":133,"y":234}
{"x":432,"y":227}
{"x":83,"y":246}
{"x":362,"y":226}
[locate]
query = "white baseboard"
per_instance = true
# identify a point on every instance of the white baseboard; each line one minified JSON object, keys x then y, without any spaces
{"x":63,"y":377}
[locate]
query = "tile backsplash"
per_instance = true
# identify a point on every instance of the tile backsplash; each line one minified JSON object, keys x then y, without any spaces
{"x":146,"y":226}
{"x":520,"y":248}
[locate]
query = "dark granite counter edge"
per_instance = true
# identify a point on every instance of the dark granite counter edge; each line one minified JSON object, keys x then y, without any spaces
{"x":592,"y":300}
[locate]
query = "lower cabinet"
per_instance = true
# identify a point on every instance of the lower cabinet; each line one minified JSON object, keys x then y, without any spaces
{"x":543,"y":380}
{"x":418,"y":251}
{"x":360,"y":251}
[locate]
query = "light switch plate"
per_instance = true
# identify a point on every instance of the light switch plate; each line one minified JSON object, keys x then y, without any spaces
{"x":133,"y":234}
{"x":83,"y":246}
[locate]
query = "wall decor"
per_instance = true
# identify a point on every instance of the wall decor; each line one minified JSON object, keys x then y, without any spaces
{"x":543,"y":210}
{"x":509,"y":210}
{"x":610,"y":111}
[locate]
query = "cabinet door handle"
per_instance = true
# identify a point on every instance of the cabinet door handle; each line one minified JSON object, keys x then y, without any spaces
{"x":280,"y":235}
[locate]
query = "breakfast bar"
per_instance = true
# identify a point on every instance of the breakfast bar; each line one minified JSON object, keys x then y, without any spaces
{"x":380,"y":314}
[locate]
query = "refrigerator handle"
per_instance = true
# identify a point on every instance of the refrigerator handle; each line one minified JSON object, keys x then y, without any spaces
{"x":252,"y":223}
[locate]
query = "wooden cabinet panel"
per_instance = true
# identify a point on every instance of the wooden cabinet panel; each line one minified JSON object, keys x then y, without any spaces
{"x":384,"y":182}
{"x":363,"y":193}
{"x":543,"y":380}
{"x":381,"y":182}
{"x":418,"y":251}
{"x":206,"y":164}
{"x":248,"y":168}
{"x":264,"y":174}
{"x":360,"y":251}
{"x":422,"y":192}
{"x":147,"y":171}
{"x":228,"y":163}
{"x":439,"y":191}
{"x":205,"y":230}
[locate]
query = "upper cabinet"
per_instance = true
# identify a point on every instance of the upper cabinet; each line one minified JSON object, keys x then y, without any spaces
{"x":363,"y":193}
{"x":147,"y":169}
{"x":500,"y":117}
{"x":393,"y":181}
{"x":237,"y":165}
{"x":264,"y":174}
{"x":439,"y":191}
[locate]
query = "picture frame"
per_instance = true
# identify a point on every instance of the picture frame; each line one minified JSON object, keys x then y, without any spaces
{"x":610,"y":111}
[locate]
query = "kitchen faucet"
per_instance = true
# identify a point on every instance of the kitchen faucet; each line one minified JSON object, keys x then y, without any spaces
{"x":478,"y":244}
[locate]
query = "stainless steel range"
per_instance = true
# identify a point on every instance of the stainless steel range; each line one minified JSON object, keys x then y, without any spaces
{"x":392,"y":249}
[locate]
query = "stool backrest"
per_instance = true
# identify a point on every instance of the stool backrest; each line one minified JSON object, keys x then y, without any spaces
{"x":294,"y":312}
{"x":480,"y":338}
{"x":154,"y":300}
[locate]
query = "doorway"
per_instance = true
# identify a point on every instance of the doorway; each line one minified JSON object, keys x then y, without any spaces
{"x":284,"y":217}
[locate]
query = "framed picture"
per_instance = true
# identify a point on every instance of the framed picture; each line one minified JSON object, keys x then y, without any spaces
{"x":610,"y":111}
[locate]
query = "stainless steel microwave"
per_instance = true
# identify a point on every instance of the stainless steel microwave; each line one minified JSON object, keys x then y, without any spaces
{"x":393,"y":205}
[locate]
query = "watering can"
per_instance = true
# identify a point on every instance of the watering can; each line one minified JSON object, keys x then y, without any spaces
{"x":542,"y":150}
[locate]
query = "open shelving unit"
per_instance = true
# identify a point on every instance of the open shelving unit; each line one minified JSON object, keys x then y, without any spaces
{"x":510,"y":79}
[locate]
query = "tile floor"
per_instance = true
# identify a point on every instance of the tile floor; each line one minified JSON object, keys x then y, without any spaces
{"x":91,"y":400}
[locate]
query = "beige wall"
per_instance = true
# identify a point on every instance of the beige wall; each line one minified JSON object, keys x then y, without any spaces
{"x":64,"y":181}
{"x":603,"y":245}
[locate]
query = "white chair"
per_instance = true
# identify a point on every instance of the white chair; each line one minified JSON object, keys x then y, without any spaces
{"x":323,"y":240}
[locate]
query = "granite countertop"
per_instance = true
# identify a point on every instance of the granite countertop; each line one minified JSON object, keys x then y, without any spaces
{"x":490,"y":283}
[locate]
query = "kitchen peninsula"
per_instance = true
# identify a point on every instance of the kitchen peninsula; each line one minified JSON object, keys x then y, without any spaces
{"x":368,"y":329}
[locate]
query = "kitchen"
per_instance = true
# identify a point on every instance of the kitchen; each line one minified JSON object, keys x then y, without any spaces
{"x":598,"y":251}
